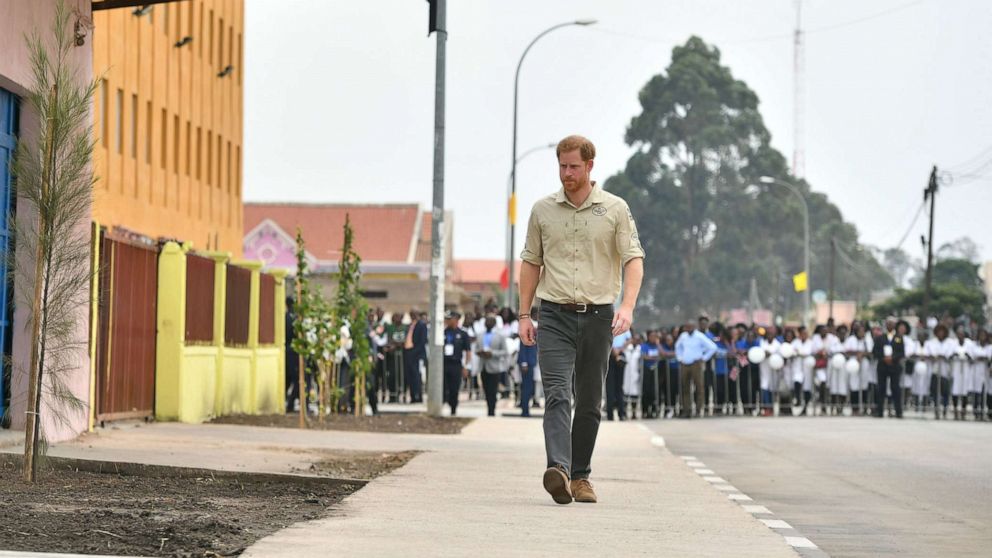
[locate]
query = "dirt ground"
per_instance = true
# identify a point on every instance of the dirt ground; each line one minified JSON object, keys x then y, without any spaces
{"x":162,"y":511}
{"x":403,"y":423}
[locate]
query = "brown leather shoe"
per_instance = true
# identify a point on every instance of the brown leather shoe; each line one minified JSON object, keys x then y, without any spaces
{"x":556,"y":483}
{"x":583,"y":492}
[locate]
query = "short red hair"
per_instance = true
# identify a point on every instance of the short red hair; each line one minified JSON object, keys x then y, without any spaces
{"x":586,"y":149}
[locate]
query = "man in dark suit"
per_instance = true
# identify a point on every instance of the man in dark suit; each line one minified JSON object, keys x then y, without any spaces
{"x":889,"y":351}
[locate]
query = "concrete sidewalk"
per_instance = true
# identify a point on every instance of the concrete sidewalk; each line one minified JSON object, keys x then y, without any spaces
{"x":482,"y":492}
{"x":477,"y":491}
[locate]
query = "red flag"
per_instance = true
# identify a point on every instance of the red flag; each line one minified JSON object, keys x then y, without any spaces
{"x":504,"y":278}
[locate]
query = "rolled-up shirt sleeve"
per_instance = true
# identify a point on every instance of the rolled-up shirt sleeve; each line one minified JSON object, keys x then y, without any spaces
{"x":628,"y":243}
{"x":533,"y":251}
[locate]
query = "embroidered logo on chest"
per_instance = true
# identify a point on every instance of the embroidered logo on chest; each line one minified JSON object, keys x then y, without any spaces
{"x":599,"y":211}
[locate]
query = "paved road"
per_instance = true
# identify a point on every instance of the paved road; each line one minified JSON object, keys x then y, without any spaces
{"x":856,"y":486}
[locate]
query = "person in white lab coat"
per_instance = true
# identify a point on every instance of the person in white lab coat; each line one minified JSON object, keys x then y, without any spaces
{"x":802,"y":373}
{"x":959,"y":353}
{"x":935,"y":351}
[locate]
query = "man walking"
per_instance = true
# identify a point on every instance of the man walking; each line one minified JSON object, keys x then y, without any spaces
{"x":581,"y":242}
{"x":457,"y":350}
{"x":692,"y":349}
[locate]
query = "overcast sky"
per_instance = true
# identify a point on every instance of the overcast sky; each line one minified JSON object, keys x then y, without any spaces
{"x":339,"y":100}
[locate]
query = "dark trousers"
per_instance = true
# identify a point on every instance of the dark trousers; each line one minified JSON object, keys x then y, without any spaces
{"x":452,"y":383}
{"x":721,"y":386}
{"x":394,"y":371}
{"x":748,"y":379}
{"x":614,"y":389}
{"x":670,"y":391}
{"x":650,"y":377}
{"x":888,"y":373}
{"x":490,"y":384}
{"x":575,"y":350}
{"x":411,"y":370}
{"x":709,"y":383}
{"x":526,"y":389}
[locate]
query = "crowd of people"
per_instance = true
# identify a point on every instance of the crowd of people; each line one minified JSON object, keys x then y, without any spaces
{"x":860,"y":369}
{"x":702,"y":368}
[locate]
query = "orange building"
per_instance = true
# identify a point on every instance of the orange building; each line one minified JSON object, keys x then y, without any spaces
{"x":168,"y":121}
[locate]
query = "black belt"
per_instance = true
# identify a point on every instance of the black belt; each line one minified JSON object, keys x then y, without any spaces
{"x":580,"y":308}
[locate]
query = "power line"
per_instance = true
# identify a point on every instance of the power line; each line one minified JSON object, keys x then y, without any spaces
{"x":867,"y":17}
{"x":763,"y":38}
{"x":909,"y":229}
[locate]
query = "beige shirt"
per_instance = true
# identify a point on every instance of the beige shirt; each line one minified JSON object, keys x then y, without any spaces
{"x":582,"y":249}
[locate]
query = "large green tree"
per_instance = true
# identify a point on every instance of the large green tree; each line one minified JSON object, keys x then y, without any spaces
{"x":707,"y":223}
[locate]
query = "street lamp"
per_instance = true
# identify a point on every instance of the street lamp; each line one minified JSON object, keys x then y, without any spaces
{"x":792,"y":188}
{"x":511,"y":202}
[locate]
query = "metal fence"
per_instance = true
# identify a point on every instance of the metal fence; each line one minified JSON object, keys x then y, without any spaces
{"x":236,"y":313}
{"x":266,"y":309}
{"x":127,"y":305}
{"x":200,"y":273}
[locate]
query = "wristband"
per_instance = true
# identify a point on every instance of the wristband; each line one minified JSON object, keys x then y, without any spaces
{"x":522,"y":316}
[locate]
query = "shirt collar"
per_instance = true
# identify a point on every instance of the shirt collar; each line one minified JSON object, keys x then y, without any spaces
{"x":595,"y":196}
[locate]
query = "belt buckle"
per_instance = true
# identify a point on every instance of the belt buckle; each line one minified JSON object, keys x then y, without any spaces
{"x":585,"y":308}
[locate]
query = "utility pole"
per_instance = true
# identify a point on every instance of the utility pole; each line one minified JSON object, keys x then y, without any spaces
{"x":930,"y":193}
{"x":752,"y":301}
{"x":833,"y":256}
{"x":435,"y":375}
{"x":798,"y":96}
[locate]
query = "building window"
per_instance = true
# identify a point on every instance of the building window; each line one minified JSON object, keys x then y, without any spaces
{"x":164,"y":142}
{"x":220,"y":157}
{"x":134,"y":126}
{"x":237,"y":172}
{"x":220,"y":43}
{"x":199,"y":33}
{"x":210,"y":158}
{"x":228,"y":168}
{"x":210,"y":39}
{"x":120,"y":122}
{"x":104,"y":115}
{"x":189,"y":144}
{"x":175,"y":143}
{"x":148,"y":133}
{"x":240,"y":62}
{"x":375,"y":294}
{"x":199,"y":158}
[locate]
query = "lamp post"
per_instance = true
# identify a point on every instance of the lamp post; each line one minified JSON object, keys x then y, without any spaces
{"x":792,"y":188}
{"x":512,"y":201}
{"x":511,"y":217}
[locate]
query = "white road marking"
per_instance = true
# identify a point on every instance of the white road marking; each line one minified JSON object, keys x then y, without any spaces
{"x":695,"y":464}
{"x":739,"y":497}
{"x":704,"y":471}
{"x":714,"y":479}
{"x":645,"y":428}
{"x":800,"y":542}
{"x":776,"y":523}
{"x":756,"y":509}
{"x":726,"y":487}
{"x":688,"y":458}
{"x":658,"y":441}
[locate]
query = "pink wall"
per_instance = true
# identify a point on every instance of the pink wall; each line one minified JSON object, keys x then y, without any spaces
{"x":17,"y":18}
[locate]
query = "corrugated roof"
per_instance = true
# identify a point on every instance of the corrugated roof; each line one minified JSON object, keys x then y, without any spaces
{"x":383,"y":232}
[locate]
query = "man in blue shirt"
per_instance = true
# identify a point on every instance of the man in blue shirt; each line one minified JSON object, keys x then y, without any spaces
{"x":692,"y":350}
